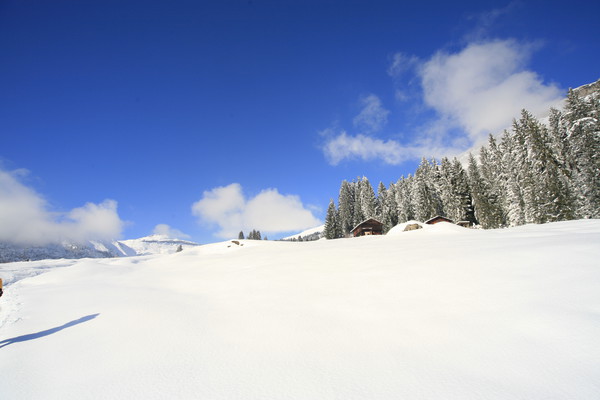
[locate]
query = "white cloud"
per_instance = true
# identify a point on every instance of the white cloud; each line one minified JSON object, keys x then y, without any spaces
{"x":269,"y":211}
{"x":373,"y":116}
{"x":93,"y":221}
{"x":366,"y":148}
{"x":166,"y":230}
{"x":475,"y":91}
{"x":25,"y":218}
{"x":484,"y":86}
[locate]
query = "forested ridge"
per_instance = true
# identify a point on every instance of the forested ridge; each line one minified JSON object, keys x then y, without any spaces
{"x":533,"y":173}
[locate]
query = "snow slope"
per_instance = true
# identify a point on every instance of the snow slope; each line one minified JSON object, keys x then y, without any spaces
{"x":316,"y":231}
{"x":435,"y":313}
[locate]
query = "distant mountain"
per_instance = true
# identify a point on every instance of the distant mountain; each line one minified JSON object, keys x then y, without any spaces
{"x":157,"y":244}
{"x":92,"y":249}
{"x":154,"y":244}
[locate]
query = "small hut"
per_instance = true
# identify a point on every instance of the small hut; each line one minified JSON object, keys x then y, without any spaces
{"x":368,"y":227}
{"x":437,"y":219}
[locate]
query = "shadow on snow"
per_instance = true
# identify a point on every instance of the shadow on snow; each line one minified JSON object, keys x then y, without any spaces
{"x":47,"y":332}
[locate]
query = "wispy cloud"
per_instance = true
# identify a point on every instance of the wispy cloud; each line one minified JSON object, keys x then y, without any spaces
{"x":361,"y":147}
{"x":26,"y":219}
{"x":485,"y":21}
{"x":372,"y":117}
{"x":401,"y":64}
{"x":271,"y":212}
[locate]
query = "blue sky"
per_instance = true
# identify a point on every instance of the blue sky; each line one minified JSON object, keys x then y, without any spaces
{"x":213,"y":117}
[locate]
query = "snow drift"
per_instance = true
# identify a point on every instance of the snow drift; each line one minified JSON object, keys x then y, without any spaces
{"x":427,"y":314}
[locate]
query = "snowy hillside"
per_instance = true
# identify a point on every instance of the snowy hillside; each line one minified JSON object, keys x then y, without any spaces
{"x":157,"y":244}
{"x":437,"y":313}
{"x":311,"y":234}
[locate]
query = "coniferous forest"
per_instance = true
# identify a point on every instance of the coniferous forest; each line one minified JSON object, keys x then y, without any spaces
{"x":533,"y":173}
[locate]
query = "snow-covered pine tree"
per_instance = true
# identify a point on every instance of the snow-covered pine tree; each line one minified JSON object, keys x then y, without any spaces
{"x":425,"y":196}
{"x":531,"y":157}
{"x":389,"y":207}
{"x":463,"y":192}
{"x":512,"y":150}
{"x":582,"y":116}
{"x":447,"y":187}
{"x":357,"y":214}
{"x":368,"y":202}
{"x":346,"y":207}
{"x":562,"y":186}
{"x":404,"y":200}
{"x":332,"y":228}
{"x":380,"y":200}
{"x":494,"y":181}
{"x":480,"y":193}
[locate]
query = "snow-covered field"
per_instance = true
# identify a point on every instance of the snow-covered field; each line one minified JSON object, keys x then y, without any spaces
{"x":438,"y":313}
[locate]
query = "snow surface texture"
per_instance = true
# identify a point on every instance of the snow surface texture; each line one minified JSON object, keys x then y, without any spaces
{"x":435,"y":313}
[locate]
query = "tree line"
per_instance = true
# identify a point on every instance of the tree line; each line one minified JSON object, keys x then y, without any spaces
{"x":533,"y":173}
{"x":252,"y":235}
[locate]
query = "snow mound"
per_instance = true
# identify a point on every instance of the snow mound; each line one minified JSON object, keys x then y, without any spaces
{"x":440,"y":227}
{"x":398,"y":229}
{"x":448,"y":227}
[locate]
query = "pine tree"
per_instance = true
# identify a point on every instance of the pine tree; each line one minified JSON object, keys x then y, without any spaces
{"x":380,"y":201}
{"x":447,"y":191}
{"x":368,"y":202}
{"x":426,"y":202}
{"x":357,"y":215}
{"x":389,"y":208}
{"x":332,"y":229}
{"x":346,"y":207}
{"x":462,"y":193}
{"x":404,"y":202}
{"x":494,"y":179}
{"x":512,"y":150}
{"x":582,"y":117}
{"x":480,"y":193}
{"x":241,"y":235}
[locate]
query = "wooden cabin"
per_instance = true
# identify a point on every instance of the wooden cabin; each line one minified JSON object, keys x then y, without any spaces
{"x":368,"y":227}
{"x":437,"y":219}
